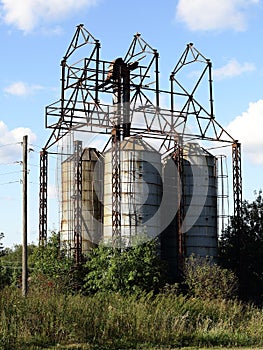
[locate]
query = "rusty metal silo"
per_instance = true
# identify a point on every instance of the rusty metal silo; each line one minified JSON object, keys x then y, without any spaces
{"x":91,"y":207}
{"x":195,"y":190}
{"x":141,"y":190}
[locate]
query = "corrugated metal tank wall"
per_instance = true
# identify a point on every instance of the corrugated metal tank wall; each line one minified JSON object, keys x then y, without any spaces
{"x":92,"y":196}
{"x":91,"y":199}
{"x":200,"y":196}
{"x":169,"y":236}
{"x":67,"y":188}
{"x":141,"y":190}
{"x":199,"y":191}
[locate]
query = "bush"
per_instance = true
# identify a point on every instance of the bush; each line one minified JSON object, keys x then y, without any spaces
{"x":52,"y":267}
{"x":241,"y":249}
{"x":207,"y":280}
{"x":135,"y":269}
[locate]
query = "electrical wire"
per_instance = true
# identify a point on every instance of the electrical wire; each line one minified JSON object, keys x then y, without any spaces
{"x":10,"y":182}
{"x":10,"y":144}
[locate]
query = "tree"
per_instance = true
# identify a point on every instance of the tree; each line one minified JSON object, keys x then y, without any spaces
{"x":11,"y":262}
{"x":2,"y":252}
{"x":5,"y":274}
{"x":135,"y":269}
{"x":52,"y":267}
{"x":242,"y":250}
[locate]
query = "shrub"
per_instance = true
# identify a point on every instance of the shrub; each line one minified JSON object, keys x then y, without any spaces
{"x":207,"y":280}
{"x":135,"y":269}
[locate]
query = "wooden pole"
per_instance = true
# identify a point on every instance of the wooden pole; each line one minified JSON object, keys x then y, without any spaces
{"x":24,"y":220}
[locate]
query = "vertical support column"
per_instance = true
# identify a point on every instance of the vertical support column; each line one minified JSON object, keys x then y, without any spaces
{"x":115,"y":163}
{"x":172,"y":93}
{"x":43,"y":197}
{"x":180,"y":214}
{"x":157,"y":90}
{"x":77,"y":202}
{"x":97,"y":71}
{"x":237,"y":180}
{"x":211,"y":101}
{"x":126,"y":101}
{"x":237,"y":194}
{"x":24,"y":245}
{"x":116,"y":193}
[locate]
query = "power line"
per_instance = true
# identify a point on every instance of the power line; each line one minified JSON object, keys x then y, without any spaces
{"x":10,"y":144}
{"x":10,"y":182}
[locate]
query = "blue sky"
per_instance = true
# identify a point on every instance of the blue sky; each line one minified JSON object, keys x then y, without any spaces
{"x":35,"y":34}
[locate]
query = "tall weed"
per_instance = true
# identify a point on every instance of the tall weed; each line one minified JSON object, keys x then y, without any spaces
{"x":114,"y":321}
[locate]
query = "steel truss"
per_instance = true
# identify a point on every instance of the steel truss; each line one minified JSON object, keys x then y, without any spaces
{"x":133,"y":81}
{"x":77,"y":221}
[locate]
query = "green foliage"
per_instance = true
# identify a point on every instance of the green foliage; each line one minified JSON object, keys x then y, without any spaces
{"x":4,"y":271}
{"x":11,"y":265}
{"x":138,"y":268}
{"x":207,"y":280}
{"x":52,"y":267}
{"x":5,"y":276}
{"x":113,"y":321}
{"x":243,"y":252}
{"x":1,"y":244}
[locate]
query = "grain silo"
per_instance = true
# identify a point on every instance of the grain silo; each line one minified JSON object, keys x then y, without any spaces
{"x":90,"y":215}
{"x":133,"y":83}
{"x":200,"y":202}
{"x":92,"y":194}
{"x":193,"y":229}
{"x":141,"y":190}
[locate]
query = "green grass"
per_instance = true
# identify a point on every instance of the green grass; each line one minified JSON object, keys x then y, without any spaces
{"x":48,"y":320}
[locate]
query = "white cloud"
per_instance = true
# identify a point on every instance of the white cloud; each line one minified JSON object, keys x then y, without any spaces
{"x":10,"y":142}
{"x":22,"y":89}
{"x":26,"y":15}
{"x":248,"y":129}
{"x":214,"y":14}
{"x":232,"y":69}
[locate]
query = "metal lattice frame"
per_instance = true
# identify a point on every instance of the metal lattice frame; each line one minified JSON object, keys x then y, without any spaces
{"x":237,"y":179}
{"x":43,"y":197}
{"x":116,"y":192}
{"x":178,"y":157}
{"x":77,"y":202}
{"x":86,"y":82}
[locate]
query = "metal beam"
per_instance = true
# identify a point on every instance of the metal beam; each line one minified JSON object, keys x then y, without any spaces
{"x":43,"y":197}
{"x":237,"y":180}
{"x":77,"y":202}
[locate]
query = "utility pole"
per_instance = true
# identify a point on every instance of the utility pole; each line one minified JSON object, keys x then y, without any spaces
{"x":24,"y":220}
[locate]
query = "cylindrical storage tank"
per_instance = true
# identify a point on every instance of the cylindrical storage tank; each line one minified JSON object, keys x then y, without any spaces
{"x":140,"y":190}
{"x":169,"y":235}
{"x":195,"y":189}
{"x":92,"y":197}
{"x":91,"y":207}
{"x":67,"y":207}
{"x":200,"y":202}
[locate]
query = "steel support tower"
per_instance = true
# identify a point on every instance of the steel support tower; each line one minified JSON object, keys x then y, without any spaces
{"x":134,"y":84}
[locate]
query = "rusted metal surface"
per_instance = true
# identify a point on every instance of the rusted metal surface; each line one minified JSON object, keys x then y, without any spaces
{"x":179,"y":160}
{"x":237,"y":179}
{"x":140,"y":192}
{"x":43,"y":197}
{"x":134,"y":82}
{"x":116,"y":191}
{"x":92,"y":198}
{"x":77,"y":202}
